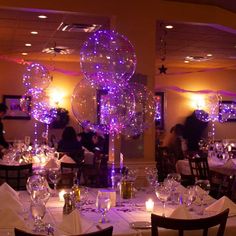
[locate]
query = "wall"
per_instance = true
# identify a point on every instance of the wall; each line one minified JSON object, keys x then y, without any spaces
{"x":11,"y":84}
{"x":178,"y":104}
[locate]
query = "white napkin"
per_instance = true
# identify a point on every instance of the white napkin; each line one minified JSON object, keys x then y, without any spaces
{"x":67,"y":159}
{"x":8,"y":200}
{"x":10,"y":219}
{"x":207,"y":198}
{"x":181,"y":212}
{"x":222,"y":204}
{"x":7,"y":188}
{"x":52,"y":164}
{"x":74,"y":223}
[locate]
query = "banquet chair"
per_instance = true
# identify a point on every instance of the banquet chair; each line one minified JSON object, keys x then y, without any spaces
{"x":199,"y":167}
{"x":69,"y":171}
{"x":15,"y":176}
{"x":182,"y":225}
{"x":103,"y":232}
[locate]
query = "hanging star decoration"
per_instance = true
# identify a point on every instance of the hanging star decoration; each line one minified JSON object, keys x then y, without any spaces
{"x":162,"y":69}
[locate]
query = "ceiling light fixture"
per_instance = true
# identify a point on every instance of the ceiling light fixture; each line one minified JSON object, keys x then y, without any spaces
{"x":209,"y":55}
{"x":169,"y":26}
{"x":24,"y":53}
{"x":28,"y":44}
{"x":197,"y":58}
{"x":34,"y":32}
{"x":78,"y":27}
{"x":42,"y":17}
{"x":186,"y":61}
{"x":58,"y":50}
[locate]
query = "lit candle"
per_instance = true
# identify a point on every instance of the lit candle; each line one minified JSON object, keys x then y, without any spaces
{"x":229,"y":148}
{"x":149,"y":205}
{"x":61,"y":195}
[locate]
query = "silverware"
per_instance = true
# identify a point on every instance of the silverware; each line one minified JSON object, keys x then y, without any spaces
{"x":49,"y":229}
{"x":99,"y":227}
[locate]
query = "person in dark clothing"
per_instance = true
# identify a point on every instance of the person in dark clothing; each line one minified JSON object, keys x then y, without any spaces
{"x":3,"y":110}
{"x":70,"y":145}
{"x":86,"y":139}
{"x":193,"y":131}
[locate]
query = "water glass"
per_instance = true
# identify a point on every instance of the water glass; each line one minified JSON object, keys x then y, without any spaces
{"x":38,"y":210}
{"x":54,"y":176}
{"x":162,"y":193}
{"x":103,"y":204}
{"x":203,"y":191}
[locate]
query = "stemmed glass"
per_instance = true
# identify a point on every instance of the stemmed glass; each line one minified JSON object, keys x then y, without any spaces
{"x":38,"y":210}
{"x":203,"y":191}
{"x":54,"y":176}
{"x":173,"y":180}
{"x":189,"y":196}
{"x":162,"y":193}
{"x":103,"y":204}
{"x":151,"y":175}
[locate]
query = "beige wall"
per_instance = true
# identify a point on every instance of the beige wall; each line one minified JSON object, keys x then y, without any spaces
{"x":178,"y":104}
{"x":11,"y":84}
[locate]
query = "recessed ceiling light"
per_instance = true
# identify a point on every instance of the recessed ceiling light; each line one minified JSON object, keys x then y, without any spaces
{"x":28,"y":45}
{"x":42,"y":17}
{"x":169,"y":26}
{"x":209,"y":55}
{"x":24,"y":53}
{"x":186,"y":61}
{"x":34,"y":32}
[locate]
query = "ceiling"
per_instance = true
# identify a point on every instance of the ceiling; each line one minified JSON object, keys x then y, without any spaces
{"x":15,"y":28}
{"x":196,"y":40}
{"x":183,"y":40}
{"x":225,"y":4}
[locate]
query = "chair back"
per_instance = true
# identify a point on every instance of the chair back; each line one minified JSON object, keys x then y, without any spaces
{"x":199,"y":167}
{"x":15,"y":176}
{"x":182,"y":225}
{"x":103,"y":232}
{"x":19,"y":232}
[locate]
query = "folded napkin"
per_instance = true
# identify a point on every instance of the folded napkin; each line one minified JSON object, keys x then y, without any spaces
{"x":7,"y":188}
{"x":52,"y":164}
{"x":222,"y":204}
{"x":74,"y":223}
{"x":8,"y":200}
{"x":10,"y":219}
{"x":67,"y":159}
{"x":207,"y":198}
{"x":181,"y":212}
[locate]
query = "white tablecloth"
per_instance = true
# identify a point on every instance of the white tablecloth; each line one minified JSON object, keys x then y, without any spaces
{"x":120,"y":217}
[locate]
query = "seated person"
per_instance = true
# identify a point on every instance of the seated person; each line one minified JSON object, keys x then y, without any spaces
{"x":175,"y":142}
{"x":85,"y":138}
{"x":70,"y":145}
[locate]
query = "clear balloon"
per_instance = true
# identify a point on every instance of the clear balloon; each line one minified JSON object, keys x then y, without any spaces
{"x":210,"y":112}
{"x":41,"y":109}
{"x":107,"y":58}
{"x":145,"y":108}
{"x":108,"y":110}
{"x":36,"y":77}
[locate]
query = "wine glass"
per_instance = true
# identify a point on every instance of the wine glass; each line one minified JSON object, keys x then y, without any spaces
{"x":162,"y":193}
{"x":38,"y":210}
{"x":103,"y":204}
{"x":203,"y":191}
{"x":54,"y":176}
{"x":189,"y":196}
{"x":151,"y":175}
{"x":173,"y":180}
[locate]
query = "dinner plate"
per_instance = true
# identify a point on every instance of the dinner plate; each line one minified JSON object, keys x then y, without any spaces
{"x":140,"y":225}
